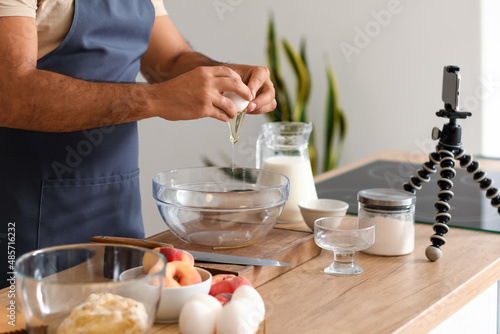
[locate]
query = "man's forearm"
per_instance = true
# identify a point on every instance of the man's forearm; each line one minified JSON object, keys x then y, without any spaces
{"x":183,"y":85}
{"x":181,"y":64}
{"x":49,"y":102}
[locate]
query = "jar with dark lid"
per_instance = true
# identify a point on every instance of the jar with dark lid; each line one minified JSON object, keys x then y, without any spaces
{"x":393,"y":212}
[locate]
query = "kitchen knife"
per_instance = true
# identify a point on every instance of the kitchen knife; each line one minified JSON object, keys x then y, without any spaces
{"x":198,"y":256}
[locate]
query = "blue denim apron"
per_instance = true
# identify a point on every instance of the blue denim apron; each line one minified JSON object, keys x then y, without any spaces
{"x":61,"y":188}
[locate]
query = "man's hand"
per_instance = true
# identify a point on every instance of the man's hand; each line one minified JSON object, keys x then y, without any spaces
{"x":183,"y":85}
{"x":259,"y":82}
{"x":198,"y":93}
{"x":194,"y":83}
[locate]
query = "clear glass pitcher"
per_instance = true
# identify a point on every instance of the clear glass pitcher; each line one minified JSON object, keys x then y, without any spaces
{"x":282,"y":147}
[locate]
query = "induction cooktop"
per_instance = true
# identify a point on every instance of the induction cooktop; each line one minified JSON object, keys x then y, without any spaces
{"x":470,"y":208}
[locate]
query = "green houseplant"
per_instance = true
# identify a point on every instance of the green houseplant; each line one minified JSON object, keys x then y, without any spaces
{"x":296,"y":110}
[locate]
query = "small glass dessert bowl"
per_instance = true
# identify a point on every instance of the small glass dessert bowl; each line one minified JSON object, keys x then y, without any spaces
{"x":344,"y":236}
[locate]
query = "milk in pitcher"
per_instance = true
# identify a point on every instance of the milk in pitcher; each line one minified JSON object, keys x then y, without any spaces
{"x":282,"y":148}
{"x":298,"y":170}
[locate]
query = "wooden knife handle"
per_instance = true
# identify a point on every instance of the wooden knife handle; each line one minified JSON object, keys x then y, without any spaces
{"x":130,"y":241}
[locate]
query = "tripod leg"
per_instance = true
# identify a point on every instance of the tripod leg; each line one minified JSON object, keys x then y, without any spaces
{"x":442,"y":217}
{"x":423,"y":175}
{"x":480,"y":176}
{"x":446,"y":161}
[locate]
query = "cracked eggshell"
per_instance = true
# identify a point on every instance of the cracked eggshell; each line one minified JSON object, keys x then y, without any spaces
{"x":241,"y":103}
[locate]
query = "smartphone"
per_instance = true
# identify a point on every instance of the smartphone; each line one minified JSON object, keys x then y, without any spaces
{"x":451,"y":87}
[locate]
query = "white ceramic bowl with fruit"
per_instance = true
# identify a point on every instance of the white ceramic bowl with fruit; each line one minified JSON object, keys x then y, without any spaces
{"x":173,"y":298}
{"x":182,"y":280}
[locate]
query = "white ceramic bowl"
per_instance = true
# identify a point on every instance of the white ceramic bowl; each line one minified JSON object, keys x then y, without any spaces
{"x":173,"y":298}
{"x":318,"y":208}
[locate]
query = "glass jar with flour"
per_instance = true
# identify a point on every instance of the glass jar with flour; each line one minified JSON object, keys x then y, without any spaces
{"x":393,"y":212}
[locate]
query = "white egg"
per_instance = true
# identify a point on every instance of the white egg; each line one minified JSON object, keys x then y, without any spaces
{"x":251,"y":294}
{"x":197,"y":318}
{"x":238,"y":316}
{"x":241,"y":103}
{"x":210,"y":301}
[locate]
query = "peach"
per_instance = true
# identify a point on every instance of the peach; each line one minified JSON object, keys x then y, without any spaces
{"x":224,"y":298}
{"x":227,"y":284}
{"x":150,"y":261}
{"x":179,"y":273}
{"x":156,"y":267}
{"x":172,"y":254}
{"x":220,"y":277}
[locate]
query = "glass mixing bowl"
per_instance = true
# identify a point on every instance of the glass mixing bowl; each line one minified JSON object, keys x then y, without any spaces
{"x":220,"y":207}
{"x":77,"y":288}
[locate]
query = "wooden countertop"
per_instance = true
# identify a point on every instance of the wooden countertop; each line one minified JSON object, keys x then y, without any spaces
{"x":406,"y":294}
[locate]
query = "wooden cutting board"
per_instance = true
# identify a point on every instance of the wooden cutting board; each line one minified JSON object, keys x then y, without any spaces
{"x":292,"y":246}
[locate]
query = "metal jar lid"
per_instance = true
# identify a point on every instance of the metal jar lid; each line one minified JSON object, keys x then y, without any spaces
{"x":386,"y":197}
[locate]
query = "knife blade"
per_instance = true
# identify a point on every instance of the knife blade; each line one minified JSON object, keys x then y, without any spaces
{"x":198,"y":255}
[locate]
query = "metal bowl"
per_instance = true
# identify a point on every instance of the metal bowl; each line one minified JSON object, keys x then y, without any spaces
{"x":220,"y":207}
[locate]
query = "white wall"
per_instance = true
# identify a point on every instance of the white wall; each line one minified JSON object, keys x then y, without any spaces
{"x":490,"y":74}
{"x":390,"y":89}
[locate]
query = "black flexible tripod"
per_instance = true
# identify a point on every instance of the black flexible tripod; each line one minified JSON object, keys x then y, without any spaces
{"x":449,"y":149}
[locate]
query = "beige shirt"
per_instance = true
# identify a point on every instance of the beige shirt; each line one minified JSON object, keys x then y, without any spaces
{"x":53,"y":18}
